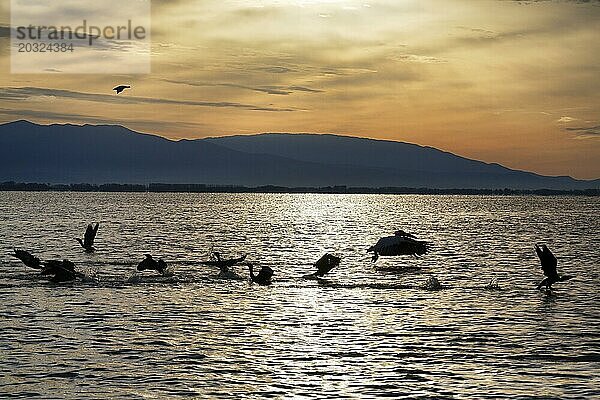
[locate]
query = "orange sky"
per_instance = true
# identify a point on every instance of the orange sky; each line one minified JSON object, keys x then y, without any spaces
{"x":513,"y":82}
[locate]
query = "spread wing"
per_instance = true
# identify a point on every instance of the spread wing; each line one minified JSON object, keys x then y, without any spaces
{"x":548,"y":261}
{"x":28,"y":259}
{"x":90,"y":235}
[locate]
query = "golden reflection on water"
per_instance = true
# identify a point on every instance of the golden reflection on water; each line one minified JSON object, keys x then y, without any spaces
{"x":359,"y":333}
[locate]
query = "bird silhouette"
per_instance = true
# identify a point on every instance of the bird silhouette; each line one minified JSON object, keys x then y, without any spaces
{"x":549,"y":263}
{"x":120,"y":88}
{"x":263,"y":277}
{"x":61,"y":271}
{"x":323,"y":265}
{"x":88,"y":238}
{"x":224,"y":265}
{"x":401,"y":243}
{"x":151,"y":264}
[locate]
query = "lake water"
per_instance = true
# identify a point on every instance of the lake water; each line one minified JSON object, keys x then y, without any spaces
{"x":366,"y":331}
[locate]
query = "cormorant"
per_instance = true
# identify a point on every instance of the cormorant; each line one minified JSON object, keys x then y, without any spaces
{"x":150,"y":263}
{"x":263,"y":277}
{"x":120,"y":88}
{"x":549,"y":263}
{"x":62,"y":271}
{"x":324,"y":265}
{"x":88,"y":239}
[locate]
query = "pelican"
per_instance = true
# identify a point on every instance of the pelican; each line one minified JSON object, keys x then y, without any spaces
{"x":324,"y":265}
{"x":120,"y":88}
{"x":28,"y":259}
{"x":88,"y":239}
{"x":401,"y":243}
{"x":263,"y":277}
{"x":224,"y":265}
{"x":549,"y":263}
{"x":63,"y":271}
{"x":150,"y":263}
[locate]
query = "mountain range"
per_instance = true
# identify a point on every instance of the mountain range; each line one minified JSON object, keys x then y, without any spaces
{"x":109,"y":153}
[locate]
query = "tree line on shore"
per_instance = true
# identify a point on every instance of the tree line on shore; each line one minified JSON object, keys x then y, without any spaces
{"x":209,"y":188}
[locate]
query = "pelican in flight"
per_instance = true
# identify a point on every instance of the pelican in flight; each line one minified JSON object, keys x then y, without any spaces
{"x":150,"y":263}
{"x":88,"y":238}
{"x":225,"y":266}
{"x":324,"y":265}
{"x":263,"y":277}
{"x":401,"y":243}
{"x":120,"y":88}
{"x":549,"y":263}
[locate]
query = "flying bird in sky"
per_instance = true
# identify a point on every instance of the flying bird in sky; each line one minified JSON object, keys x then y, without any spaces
{"x":120,"y":88}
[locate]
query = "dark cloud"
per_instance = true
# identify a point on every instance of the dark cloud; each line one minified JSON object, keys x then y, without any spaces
{"x":585,"y":130}
{"x":269,"y":89}
{"x":90,"y":119}
{"x":25,"y":93}
{"x":275,"y":69}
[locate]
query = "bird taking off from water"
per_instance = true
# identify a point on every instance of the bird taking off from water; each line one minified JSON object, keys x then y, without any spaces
{"x":402,"y":243}
{"x":88,"y":238}
{"x":120,"y":88}
{"x":150,"y":263}
{"x":225,"y":266}
{"x":60,"y":271}
{"x":323,"y":266}
{"x":549,"y":263}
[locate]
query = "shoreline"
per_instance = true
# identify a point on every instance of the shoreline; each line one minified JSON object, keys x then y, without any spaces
{"x":208,"y":188}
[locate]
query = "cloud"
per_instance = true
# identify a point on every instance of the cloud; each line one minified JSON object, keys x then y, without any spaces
{"x":269,"y":89}
{"x":91,"y":119}
{"x":25,"y":93}
{"x":415,"y":58}
{"x":566,"y":119}
{"x":590,"y":131}
{"x":275,"y":69}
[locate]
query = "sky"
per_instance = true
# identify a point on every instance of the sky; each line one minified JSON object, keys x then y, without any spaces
{"x":512,"y":82}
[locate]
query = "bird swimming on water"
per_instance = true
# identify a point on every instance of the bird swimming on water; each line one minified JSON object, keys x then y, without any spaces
{"x":263,"y":277}
{"x":151,"y":264}
{"x":88,"y":238}
{"x":120,"y":88}
{"x":549,"y":263}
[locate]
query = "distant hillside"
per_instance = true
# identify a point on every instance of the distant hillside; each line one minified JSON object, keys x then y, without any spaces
{"x":106,"y":153}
